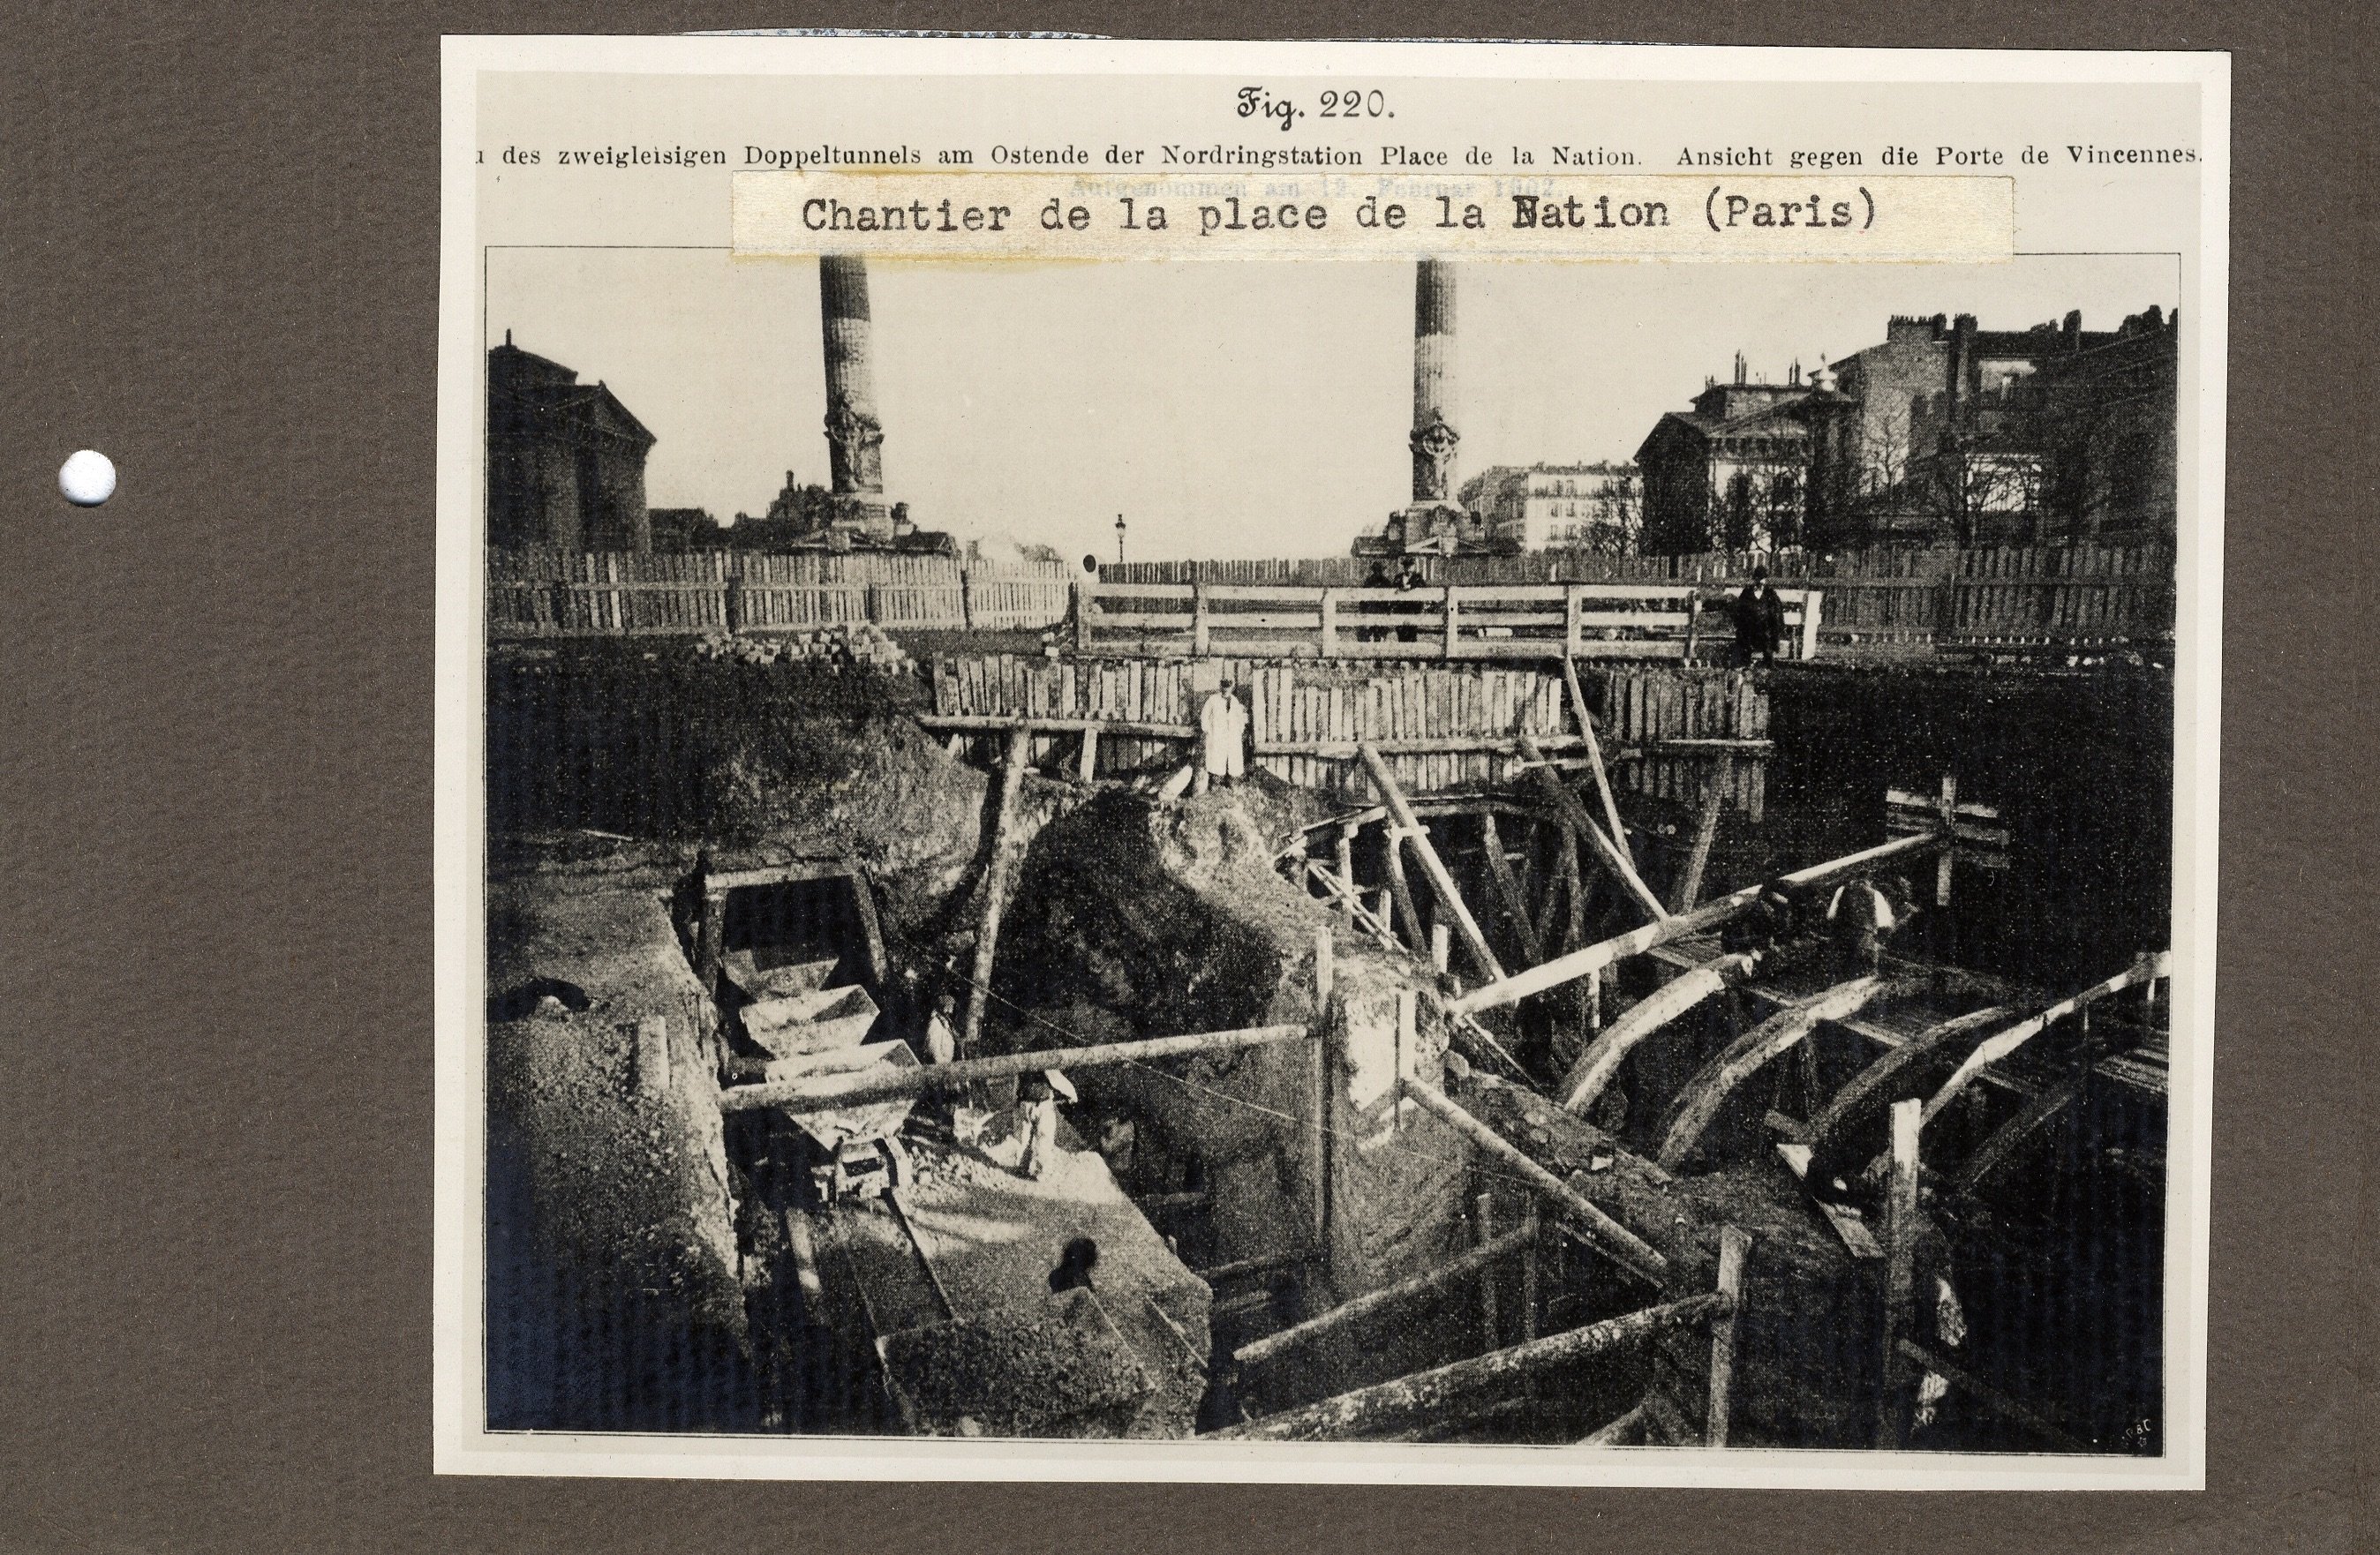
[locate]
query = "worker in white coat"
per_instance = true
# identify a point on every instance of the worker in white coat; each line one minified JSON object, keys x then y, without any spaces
{"x":1038,"y":1097}
{"x":1222,"y":734}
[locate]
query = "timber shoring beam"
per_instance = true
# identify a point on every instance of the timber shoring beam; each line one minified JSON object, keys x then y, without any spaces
{"x":995,"y":886}
{"x":1408,"y":917}
{"x":1613,"y":859}
{"x":1715,"y":784}
{"x":1699,"y":1102}
{"x":1618,"y":1431}
{"x":1606,"y":1234}
{"x":1035,"y":723}
{"x":1995,"y":1151}
{"x":1712,"y":914}
{"x":1508,"y":889}
{"x":1873,"y":1086}
{"x":1595,"y":756}
{"x":1734,"y":1251}
{"x":1993,"y":1399}
{"x":2146,"y":969}
{"x":816,"y":1094}
{"x":1387,"y":1299}
{"x":1592,"y":1075}
{"x":1387,"y":1405}
{"x":1432,"y":865}
{"x":1892,"y":1403}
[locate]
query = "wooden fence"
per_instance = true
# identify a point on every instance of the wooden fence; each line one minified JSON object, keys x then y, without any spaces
{"x":1881,"y":596}
{"x":1442,"y":729}
{"x":1445,"y":622}
{"x":607,"y":594}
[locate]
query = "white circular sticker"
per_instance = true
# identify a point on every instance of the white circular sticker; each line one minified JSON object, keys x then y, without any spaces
{"x":87,"y":479}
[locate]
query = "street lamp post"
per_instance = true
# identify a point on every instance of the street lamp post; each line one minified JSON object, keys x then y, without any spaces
{"x":1119,"y":539}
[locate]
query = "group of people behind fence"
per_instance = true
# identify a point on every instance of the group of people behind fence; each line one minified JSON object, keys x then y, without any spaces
{"x":1407,"y":582}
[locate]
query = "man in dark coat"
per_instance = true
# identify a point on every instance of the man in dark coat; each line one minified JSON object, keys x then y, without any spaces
{"x":1409,"y":580}
{"x":1759,"y":621}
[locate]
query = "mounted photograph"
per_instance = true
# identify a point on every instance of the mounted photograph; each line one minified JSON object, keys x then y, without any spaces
{"x":1340,"y":845}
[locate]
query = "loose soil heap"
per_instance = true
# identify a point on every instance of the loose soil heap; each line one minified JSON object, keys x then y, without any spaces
{"x":613,"y":1295}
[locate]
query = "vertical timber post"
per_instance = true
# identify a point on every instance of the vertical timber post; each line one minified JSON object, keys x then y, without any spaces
{"x":1529,"y":1296}
{"x":1347,"y":867}
{"x":1086,"y":600}
{"x":1811,"y":602}
{"x":1408,"y":1035}
{"x":1715,"y":787}
{"x":1400,"y":889}
{"x":1949,"y":805}
{"x":1199,"y":630}
{"x":1317,"y":1095}
{"x":1442,"y":948}
{"x":1900,"y":1272}
{"x":1330,"y":623}
{"x":1483,"y":1231}
{"x":1735,"y":1248}
{"x":995,"y":886}
{"x":1453,"y":623}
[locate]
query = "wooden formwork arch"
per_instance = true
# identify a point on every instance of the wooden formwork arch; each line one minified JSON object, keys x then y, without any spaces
{"x":1699,"y":1102}
{"x":1592,"y":1075}
{"x":1872,"y":1088}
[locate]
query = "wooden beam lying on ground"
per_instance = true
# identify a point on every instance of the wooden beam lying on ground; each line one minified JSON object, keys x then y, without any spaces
{"x":1699,"y":1102}
{"x":815,"y":1093}
{"x":1387,"y":1405}
{"x":1432,"y":865}
{"x":1269,"y":1263}
{"x":1593,"y":1073}
{"x":1387,"y":1299}
{"x":1600,"y":1229}
{"x":1613,"y":859}
{"x":1712,"y":914}
{"x":995,"y":886}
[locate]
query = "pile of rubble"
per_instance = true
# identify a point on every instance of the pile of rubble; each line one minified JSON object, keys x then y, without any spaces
{"x":860,"y":645}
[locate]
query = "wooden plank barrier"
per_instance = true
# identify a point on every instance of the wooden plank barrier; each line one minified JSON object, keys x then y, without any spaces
{"x":1443,"y":728}
{"x":544,"y":594}
{"x":1446,"y":622}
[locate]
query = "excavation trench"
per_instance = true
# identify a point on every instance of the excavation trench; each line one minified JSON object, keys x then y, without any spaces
{"x":658,"y":1262}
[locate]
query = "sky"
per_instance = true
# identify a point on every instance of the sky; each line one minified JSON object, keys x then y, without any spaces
{"x":1224,"y":409}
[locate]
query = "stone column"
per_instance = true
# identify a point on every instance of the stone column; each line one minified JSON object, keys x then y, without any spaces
{"x":855,"y":438}
{"x":1433,"y":439}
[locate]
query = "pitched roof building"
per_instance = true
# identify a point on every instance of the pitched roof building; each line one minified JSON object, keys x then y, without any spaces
{"x":566,"y":459}
{"x":1750,"y":466}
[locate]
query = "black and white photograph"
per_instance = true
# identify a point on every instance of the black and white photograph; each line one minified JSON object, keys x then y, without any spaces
{"x":1527,"y":863}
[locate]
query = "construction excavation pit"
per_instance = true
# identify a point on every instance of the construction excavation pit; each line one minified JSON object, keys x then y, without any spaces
{"x":1533,"y":1054}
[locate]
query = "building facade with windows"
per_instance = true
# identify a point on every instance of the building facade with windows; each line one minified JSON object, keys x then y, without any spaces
{"x":1945,"y":433}
{"x":1594,"y":506}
